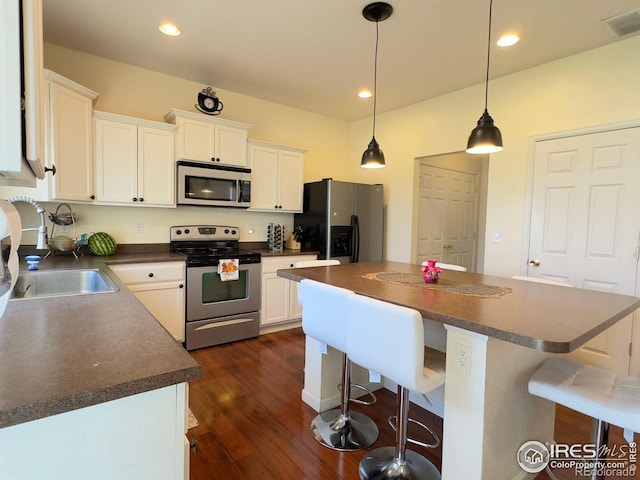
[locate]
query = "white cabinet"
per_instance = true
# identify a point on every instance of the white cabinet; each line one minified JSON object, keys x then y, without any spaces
{"x":276,"y":177}
{"x":21,"y":88}
{"x":136,"y":437}
{"x":68,"y":130}
{"x":279,"y":295}
{"x":201,"y":137}
{"x":160,"y":288}
{"x":135,"y":162}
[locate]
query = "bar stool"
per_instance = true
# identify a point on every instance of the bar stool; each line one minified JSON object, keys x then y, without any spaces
{"x":324,"y":318}
{"x":607,"y":397}
{"x":389,"y":339}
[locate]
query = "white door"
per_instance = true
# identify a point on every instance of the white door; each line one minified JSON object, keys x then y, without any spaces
{"x":585,"y":224}
{"x":448,"y":214}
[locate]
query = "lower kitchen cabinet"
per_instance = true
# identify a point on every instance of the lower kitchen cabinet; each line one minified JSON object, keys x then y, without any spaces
{"x":160,"y":288}
{"x":279,"y":295}
{"x":139,"y":436}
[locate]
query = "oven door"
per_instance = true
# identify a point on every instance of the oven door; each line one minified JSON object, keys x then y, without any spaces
{"x":209,"y":297}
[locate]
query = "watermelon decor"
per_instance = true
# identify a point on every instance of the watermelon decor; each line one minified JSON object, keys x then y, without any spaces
{"x":101,"y":243}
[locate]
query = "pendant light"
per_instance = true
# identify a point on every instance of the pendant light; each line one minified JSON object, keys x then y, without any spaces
{"x":373,"y":156}
{"x":486,"y":137}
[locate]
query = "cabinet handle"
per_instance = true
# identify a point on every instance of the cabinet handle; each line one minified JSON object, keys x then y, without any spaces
{"x":52,"y":169}
{"x":150,"y":274}
{"x":134,"y":199}
{"x":92,"y":197}
{"x":181,"y":286}
{"x":141,"y":199}
{"x":291,"y":265}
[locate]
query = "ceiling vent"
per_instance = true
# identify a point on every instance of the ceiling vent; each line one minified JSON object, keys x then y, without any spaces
{"x":624,"y":24}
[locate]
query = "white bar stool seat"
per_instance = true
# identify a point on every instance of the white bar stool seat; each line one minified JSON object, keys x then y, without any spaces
{"x":324,"y":318}
{"x":389,"y":339}
{"x":607,"y":396}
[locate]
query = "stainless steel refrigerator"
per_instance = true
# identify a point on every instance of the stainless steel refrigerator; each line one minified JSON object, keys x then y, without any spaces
{"x":342,"y":220}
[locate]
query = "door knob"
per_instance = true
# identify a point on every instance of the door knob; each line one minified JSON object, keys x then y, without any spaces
{"x":534,"y":263}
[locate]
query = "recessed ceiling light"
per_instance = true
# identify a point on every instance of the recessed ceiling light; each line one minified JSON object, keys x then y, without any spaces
{"x":365,"y":94}
{"x":507,"y":40}
{"x":169,"y":29}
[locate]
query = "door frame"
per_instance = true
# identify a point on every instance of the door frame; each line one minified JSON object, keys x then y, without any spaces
{"x":533,"y":140}
{"x":441,"y":161}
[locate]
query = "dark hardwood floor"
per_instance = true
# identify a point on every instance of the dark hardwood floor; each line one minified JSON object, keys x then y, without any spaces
{"x":253,"y":424}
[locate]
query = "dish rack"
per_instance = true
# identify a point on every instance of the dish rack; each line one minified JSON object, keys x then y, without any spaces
{"x":63,"y":220}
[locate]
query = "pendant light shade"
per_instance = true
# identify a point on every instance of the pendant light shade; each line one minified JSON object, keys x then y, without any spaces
{"x":373,"y":156}
{"x":486,"y":137}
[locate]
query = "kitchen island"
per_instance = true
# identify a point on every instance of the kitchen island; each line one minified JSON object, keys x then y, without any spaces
{"x":506,"y":328}
{"x":91,"y":385}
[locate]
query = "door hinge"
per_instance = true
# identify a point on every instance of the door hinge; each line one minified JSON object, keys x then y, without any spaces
{"x":630,"y":349}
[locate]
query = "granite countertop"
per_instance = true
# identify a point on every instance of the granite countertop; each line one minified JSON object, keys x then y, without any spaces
{"x":543,"y":317}
{"x":65,"y":353}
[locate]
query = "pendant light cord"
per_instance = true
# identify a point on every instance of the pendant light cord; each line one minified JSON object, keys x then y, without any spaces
{"x":486,"y":83}
{"x":375,"y":81}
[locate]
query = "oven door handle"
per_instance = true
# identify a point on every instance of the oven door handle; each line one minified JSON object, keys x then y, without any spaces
{"x":224,"y":324}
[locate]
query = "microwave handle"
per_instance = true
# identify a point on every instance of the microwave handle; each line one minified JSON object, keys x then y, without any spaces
{"x":241,"y":190}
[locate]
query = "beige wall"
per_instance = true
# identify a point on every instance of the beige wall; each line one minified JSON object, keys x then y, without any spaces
{"x":593,"y":88}
{"x":598,"y":87}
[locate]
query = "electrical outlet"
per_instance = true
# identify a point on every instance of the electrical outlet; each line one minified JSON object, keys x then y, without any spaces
{"x":64,"y":228}
{"x":139,"y":227}
{"x":463,"y":357}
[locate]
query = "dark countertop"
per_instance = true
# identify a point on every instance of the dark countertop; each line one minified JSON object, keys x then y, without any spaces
{"x":539,"y":316}
{"x":65,"y":353}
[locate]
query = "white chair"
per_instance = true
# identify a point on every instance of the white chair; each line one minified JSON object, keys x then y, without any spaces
{"x":389,"y":339}
{"x":542,"y":280}
{"x":316,"y":263}
{"x":607,"y":397}
{"x":312,"y":263}
{"x":324,"y":318}
{"x":449,"y":266}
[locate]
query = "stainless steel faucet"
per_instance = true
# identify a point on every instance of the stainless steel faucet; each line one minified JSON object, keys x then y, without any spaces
{"x":43,"y":243}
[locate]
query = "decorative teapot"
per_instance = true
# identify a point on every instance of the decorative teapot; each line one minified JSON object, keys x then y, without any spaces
{"x":431,"y":273}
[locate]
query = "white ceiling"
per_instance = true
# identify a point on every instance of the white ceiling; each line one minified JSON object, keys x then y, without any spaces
{"x":317,"y":54}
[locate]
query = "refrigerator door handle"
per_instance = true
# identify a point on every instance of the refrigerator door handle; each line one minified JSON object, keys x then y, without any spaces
{"x":355,"y":239}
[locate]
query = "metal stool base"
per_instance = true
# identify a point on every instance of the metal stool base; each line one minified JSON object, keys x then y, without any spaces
{"x":345,"y":433}
{"x":383,"y":464}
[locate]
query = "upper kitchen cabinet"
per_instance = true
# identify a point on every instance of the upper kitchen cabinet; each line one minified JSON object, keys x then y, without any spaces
{"x":277,"y":177}
{"x":135,"y":162}
{"x":211,"y":139}
{"x":21,"y":93}
{"x":68,"y":129}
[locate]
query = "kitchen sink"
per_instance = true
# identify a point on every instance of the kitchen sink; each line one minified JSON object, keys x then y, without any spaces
{"x":60,"y":283}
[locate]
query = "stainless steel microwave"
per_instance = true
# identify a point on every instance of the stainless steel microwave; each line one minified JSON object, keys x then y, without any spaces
{"x":202,"y":183}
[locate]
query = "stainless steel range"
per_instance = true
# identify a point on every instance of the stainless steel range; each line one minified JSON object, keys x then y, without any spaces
{"x":217,"y":311}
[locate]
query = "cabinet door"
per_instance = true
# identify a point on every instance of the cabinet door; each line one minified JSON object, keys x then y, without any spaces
{"x":264,"y":174}
{"x":275,"y":299}
{"x":195,"y":139}
{"x":290,"y":181}
{"x":156,"y":167}
{"x":69,"y":144}
{"x":165,"y":301}
{"x":116,"y":162}
{"x":231,"y":145}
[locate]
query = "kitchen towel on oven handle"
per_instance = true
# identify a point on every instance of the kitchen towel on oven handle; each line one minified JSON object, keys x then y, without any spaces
{"x":228,"y":269}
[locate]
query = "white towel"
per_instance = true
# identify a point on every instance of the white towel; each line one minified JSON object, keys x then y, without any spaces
{"x":228,"y":269}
